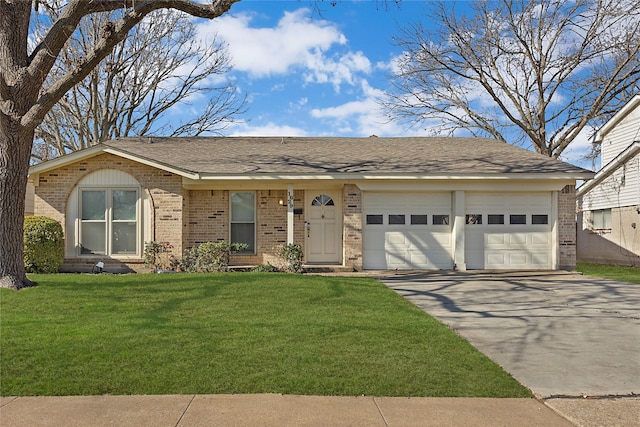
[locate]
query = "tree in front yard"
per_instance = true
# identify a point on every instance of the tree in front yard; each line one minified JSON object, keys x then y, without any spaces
{"x":27,"y":93}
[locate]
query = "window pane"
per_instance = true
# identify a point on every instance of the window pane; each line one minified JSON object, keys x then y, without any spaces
{"x":396,"y":219}
{"x":243,"y":207}
{"x":495,"y":219}
{"x":93,"y":205}
{"x":539,"y":219}
{"x":517,"y":219}
{"x":441,"y":220}
{"x":92,"y":238}
{"x":473,"y":219}
{"x":374,"y":219}
{"x":606,"y":218}
{"x":243,"y":233}
{"x":419,"y":219}
{"x":124,"y":205}
{"x":123,"y":238}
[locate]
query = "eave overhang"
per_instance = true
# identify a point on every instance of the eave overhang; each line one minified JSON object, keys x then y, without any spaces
{"x":632,"y":150}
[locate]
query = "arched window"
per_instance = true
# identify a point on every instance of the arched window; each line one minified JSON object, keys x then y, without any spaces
{"x":322,"y":200}
{"x":108,"y":215}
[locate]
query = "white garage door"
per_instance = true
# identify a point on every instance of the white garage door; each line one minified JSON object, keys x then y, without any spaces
{"x":508,"y":231}
{"x":407,"y":231}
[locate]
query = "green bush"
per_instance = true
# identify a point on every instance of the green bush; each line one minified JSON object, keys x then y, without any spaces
{"x":43,"y":244}
{"x":291,"y":255}
{"x":157,"y":255}
{"x":210,"y":256}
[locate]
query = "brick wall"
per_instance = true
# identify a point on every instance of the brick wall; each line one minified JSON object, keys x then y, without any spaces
{"x":352,"y":235}
{"x":163,"y":189}
{"x":567,"y":227}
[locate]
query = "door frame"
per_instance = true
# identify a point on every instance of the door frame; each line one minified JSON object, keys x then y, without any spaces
{"x":336,"y":195}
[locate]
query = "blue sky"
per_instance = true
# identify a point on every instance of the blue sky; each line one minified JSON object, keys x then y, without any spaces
{"x":311,"y":74}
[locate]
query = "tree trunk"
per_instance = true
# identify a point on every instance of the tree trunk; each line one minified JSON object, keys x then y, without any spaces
{"x":15,"y":149}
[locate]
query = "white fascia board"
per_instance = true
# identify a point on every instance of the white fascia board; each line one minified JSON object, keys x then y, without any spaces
{"x":65,"y":160}
{"x":426,"y":177}
{"x":626,"y":109}
{"x":157,"y":165}
{"x":609,"y":168}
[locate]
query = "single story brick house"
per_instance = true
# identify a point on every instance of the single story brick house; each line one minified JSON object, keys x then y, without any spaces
{"x":352,"y":203}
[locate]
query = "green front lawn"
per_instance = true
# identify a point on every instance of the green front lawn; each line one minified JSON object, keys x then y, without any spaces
{"x":232,"y":333}
{"x":613,"y":272}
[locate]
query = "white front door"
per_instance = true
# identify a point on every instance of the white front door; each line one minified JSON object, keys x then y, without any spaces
{"x":323,"y":227}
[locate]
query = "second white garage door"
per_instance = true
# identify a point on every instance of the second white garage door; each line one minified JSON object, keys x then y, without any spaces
{"x":407,"y":231}
{"x":508,"y":231}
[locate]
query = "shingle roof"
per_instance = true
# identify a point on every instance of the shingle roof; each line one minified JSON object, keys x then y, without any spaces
{"x":302,"y":155}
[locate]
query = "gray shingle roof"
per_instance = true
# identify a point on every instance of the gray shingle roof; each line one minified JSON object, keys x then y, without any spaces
{"x":302,"y":155}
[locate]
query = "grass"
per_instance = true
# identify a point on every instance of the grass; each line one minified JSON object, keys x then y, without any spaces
{"x":614,"y":272}
{"x":232,"y":333}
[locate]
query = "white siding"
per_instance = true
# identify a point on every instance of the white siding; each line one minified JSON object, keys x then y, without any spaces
{"x":621,"y":136}
{"x":620,"y":189}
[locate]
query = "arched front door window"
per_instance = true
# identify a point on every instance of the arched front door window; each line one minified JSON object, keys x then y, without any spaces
{"x":322,"y":200}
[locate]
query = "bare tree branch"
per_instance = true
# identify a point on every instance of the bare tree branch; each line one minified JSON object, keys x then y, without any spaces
{"x":519,"y":70}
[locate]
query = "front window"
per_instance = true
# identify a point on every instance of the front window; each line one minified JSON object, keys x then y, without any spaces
{"x":243,"y":220}
{"x":109,"y":222}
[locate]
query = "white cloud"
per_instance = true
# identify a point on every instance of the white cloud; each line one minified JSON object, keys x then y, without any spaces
{"x":296,"y":42}
{"x":269,"y":129}
{"x":579,"y":148}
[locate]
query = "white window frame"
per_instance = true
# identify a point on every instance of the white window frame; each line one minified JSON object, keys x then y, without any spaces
{"x":601,"y":219}
{"x":254,"y":222}
{"x":109,"y":221}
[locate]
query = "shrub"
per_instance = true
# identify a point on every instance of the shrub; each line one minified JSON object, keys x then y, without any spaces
{"x":291,"y":255}
{"x":157,"y":255}
{"x":210,"y":256}
{"x":265,"y":268}
{"x":43,"y":244}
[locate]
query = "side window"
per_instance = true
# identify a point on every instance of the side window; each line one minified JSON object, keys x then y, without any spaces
{"x":601,"y":219}
{"x":243,"y":220}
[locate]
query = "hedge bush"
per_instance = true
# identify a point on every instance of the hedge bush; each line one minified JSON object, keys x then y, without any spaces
{"x":210,"y":256}
{"x":43,"y":244}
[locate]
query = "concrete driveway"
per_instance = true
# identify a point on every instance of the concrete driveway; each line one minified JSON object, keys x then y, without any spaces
{"x":559,"y":334}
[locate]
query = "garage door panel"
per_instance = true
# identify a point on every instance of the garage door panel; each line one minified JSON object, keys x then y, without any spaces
{"x":509,"y":246}
{"x":410,"y":245}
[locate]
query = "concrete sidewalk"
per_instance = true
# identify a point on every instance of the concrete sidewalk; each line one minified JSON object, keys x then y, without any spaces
{"x":273,"y":410}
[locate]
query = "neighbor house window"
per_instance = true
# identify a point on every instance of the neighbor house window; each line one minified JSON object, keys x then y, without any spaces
{"x":243,"y":220}
{"x":109,"y":222}
{"x":601,"y":219}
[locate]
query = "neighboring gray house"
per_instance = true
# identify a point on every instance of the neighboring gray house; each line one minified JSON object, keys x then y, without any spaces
{"x":609,"y":204}
{"x":352,"y":203}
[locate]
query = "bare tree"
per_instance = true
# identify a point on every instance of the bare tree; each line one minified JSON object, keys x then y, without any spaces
{"x":518,"y":70}
{"x":156,"y":70}
{"x":27,"y":94}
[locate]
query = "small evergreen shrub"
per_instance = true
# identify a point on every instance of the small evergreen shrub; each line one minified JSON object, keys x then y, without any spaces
{"x":43,"y":244}
{"x":265,"y":268}
{"x":158,"y":257}
{"x":210,"y":256}
{"x":291,"y":256}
